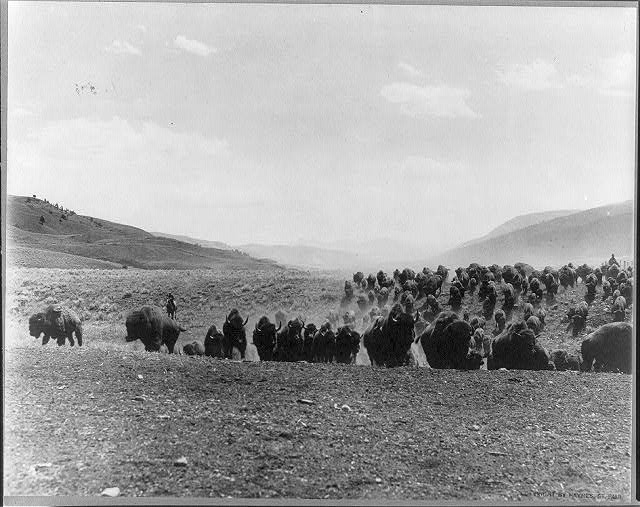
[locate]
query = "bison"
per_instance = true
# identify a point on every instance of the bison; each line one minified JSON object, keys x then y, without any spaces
{"x":567,"y":277}
{"x":213,"y":343}
{"x":610,"y":347}
{"x":534,"y":324}
{"x":452,"y":347}
{"x":264,"y":338}
{"x":58,"y":323}
{"x":501,"y":321}
{"x":618,"y":309}
{"x":234,"y":334}
{"x":517,"y":349}
{"x":564,"y":361}
{"x":193,"y":349}
{"x":308,"y":342}
{"x":153,"y":328}
{"x":324,"y":343}
{"x":509,"y":298}
{"x":289,"y":341}
{"x":388,"y":340}
{"x":347,"y":344}
{"x":578,"y":317}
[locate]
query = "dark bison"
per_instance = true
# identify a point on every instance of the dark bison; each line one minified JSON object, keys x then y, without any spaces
{"x":153,"y":328}
{"x":347,"y":345}
{"x":264,"y":338}
{"x":578,"y":317}
{"x":610,"y":347}
{"x":58,"y":323}
{"x":388,"y":340}
{"x":583,"y":271}
{"x":517,"y":349}
{"x":308,"y":350}
{"x":463,"y":277}
{"x":453,"y":347}
{"x":193,"y":349}
{"x":289,"y":341}
{"x":324,"y":343}
{"x":567,"y":276}
{"x":509,"y":294}
{"x":501,"y":321}
{"x":508,"y":273}
{"x":527,"y":310}
{"x":234,"y":334}
{"x":213,"y":343}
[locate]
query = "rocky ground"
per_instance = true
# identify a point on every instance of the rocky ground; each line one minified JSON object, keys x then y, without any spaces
{"x":107,"y":415}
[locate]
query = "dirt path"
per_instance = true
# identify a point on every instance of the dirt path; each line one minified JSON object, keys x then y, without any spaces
{"x":81,"y":420}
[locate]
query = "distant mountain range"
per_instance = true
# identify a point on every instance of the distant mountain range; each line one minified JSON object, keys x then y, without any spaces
{"x":585,"y":236}
{"x":193,"y":241}
{"x":520,"y":222}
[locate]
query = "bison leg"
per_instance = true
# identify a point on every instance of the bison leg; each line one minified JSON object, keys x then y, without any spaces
{"x":79,"y":336}
{"x":70,"y":337}
{"x":45,"y":339}
{"x":60,"y":341}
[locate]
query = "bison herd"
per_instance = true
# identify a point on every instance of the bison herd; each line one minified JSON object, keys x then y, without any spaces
{"x":391,"y":324}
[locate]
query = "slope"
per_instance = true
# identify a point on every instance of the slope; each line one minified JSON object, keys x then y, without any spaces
{"x":36,"y":224}
{"x":520,"y":222}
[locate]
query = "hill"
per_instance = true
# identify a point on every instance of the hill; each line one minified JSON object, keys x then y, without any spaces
{"x":37,"y":225}
{"x":520,"y":222}
{"x":588,"y":236}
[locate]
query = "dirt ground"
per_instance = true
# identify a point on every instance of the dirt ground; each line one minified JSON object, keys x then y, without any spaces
{"x":79,"y":420}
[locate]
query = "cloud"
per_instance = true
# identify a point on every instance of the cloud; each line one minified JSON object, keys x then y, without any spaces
{"x":122,"y":47}
{"x":438,"y":101}
{"x":538,"y":75}
{"x":193,"y":46}
{"x":410,"y":70}
{"x":142,"y":28}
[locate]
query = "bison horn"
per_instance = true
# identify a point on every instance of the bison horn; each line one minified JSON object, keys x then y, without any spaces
{"x":245,"y":322}
{"x":395,"y":321}
{"x":417,"y":317}
{"x":227,"y":320}
{"x":279,"y":326}
{"x":257,"y":328}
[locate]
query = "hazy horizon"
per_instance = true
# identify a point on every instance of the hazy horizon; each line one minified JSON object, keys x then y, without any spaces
{"x":282,"y":124}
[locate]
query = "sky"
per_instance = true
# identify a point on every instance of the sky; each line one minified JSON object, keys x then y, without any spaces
{"x":279,"y":124}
